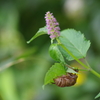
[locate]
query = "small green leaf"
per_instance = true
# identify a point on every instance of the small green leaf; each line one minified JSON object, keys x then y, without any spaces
{"x":97,"y":96}
{"x":55,"y":53}
{"x":56,"y":70}
{"x":41,"y":31}
{"x":75,"y":42}
{"x":69,"y":70}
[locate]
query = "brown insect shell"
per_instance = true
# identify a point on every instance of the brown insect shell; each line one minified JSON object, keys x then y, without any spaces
{"x":66,"y":80}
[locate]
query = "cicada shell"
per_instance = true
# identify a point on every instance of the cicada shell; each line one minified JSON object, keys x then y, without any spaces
{"x":66,"y":80}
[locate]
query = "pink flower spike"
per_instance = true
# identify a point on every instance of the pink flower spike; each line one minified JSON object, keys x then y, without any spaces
{"x":52,"y":25}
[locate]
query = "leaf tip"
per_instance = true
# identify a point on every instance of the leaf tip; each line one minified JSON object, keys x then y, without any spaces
{"x":97,"y":96}
{"x":43,"y":87}
{"x":28,"y":42}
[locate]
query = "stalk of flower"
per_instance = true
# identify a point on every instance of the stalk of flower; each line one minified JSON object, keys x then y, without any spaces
{"x":52,"y":25}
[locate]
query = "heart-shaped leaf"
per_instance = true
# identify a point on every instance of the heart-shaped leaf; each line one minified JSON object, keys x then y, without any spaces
{"x":56,"y":70}
{"x":75,"y":42}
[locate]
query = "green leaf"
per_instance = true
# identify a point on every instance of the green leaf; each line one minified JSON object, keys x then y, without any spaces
{"x":56,"y":70}
{"x":41,"y":31}
{"x":69,"y":70}
{"x":75,"y":42}
{"x":97,"y":96}
{"x":55,"y":53}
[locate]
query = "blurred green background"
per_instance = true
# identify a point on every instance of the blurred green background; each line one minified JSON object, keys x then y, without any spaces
{"x":23,"y":66}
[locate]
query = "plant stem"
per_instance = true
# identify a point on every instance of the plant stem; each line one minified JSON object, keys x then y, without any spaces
{"x":95,"y":73}
{"x":81,"y":63}
{"x":92,"y":71}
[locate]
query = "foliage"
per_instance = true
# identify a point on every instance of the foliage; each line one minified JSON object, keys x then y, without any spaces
{"x":40,"y":32}
{"x":55,"y":70}
{"x":71,"y":44}
{"x":75,"y":42}
{"x":55,"y":53}
{"x":97,"y":96}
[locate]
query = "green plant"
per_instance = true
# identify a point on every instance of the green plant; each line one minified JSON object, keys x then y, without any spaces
{"x":67,"y":44}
